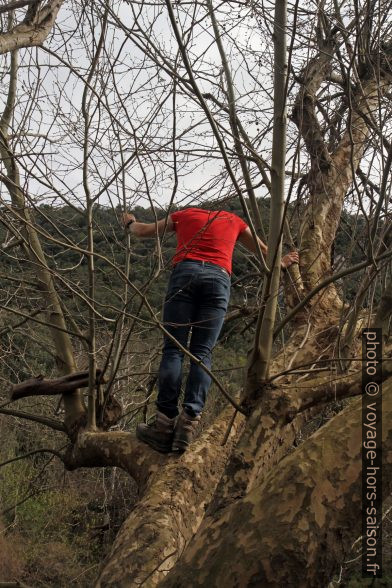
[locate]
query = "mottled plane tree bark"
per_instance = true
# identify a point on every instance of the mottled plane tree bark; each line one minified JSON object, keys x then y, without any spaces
{"x":256,"y":510}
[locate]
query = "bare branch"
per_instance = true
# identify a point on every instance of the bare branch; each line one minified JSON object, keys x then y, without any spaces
{"x":51,"y":423}
{"x":41,"y":387}
{"x":30,"y":453}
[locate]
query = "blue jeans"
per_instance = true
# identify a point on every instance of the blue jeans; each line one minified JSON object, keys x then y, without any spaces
{"x":196,"y":301}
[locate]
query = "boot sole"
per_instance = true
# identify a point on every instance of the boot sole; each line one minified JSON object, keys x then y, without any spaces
{"x":152,"y":443}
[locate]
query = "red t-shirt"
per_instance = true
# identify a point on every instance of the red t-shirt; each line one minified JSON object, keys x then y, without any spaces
{"x":206,"y":235}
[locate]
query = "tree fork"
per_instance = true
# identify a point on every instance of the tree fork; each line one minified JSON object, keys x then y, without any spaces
{"x":174,"y":494}
{"x":33,"y":30}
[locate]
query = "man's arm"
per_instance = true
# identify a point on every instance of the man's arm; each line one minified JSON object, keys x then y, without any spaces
{"x":145,"y":230}
{"x":246,"y":238}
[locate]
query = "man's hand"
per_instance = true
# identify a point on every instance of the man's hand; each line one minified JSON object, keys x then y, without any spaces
{"x":289,"y":259}
{"x":127,"y":217}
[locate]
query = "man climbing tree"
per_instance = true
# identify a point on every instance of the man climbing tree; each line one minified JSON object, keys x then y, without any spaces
{"x":197,"y":298}
{"x":271,"y":497}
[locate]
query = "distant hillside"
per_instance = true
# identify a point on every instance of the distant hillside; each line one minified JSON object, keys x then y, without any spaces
{"x":68,"y":226}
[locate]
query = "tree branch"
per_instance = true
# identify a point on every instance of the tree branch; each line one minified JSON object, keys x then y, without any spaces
{"x":304,"y":115}
{"x":35,"y":452}
{"x":31,"y":31}
{"x":40,"y":387}
{"x":328,"y":389}
{"x":16,"y":5}
{"x":51,"y":423}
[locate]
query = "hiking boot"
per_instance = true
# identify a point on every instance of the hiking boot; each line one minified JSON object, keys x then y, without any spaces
{"x":158,"y":434}
{"x":184,"y":431}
